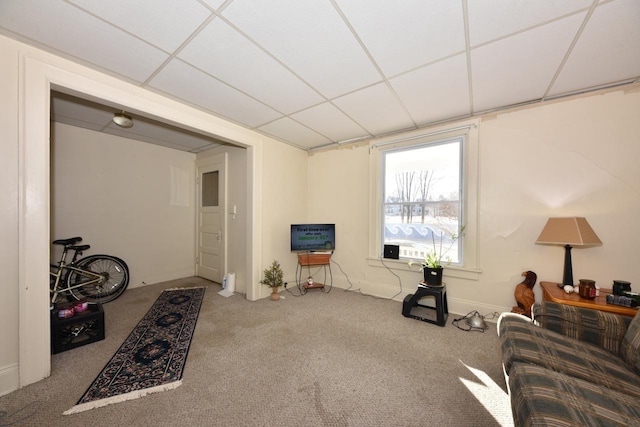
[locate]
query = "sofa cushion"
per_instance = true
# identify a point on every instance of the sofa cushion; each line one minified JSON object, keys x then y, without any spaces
{"x":523,"y":341}
{"x":630,"y":347}
{"x":606,"y":330}
{"x":543,"y":397}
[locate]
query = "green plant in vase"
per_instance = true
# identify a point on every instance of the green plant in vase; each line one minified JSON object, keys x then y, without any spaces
{"x":273,"y":278}
{"x":432,"y":264}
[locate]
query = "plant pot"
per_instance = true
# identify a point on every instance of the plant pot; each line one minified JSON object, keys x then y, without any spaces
{"x":275,"y":296}
{"x":433,"y":276}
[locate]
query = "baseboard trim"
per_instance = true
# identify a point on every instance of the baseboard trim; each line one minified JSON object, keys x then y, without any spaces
{"x":456,"y":307}
{"x":9,"y":379}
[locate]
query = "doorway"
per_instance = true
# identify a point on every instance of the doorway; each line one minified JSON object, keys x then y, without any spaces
{"x":36,"y":79}
{"x":211,"y":218}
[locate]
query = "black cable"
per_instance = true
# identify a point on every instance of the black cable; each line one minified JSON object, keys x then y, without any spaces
{"x":454,"y":322}
{"x":359,"y":290}
{"x":351,"y":284}
{"x":297,"y":284}
{"x":391,"y":271}
{"x":291,"y":293}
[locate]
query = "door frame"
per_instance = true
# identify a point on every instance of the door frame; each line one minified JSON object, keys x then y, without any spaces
{"x":224,"y":194}
{"x":38,"y":74}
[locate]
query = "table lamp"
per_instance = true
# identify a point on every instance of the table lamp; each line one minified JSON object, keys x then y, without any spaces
{"x":572,"y":231}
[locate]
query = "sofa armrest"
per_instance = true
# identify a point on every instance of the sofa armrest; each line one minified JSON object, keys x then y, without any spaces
{"x":600,"y":328}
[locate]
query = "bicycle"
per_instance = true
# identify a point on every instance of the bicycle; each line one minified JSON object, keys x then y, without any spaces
{"x":95,"y":278}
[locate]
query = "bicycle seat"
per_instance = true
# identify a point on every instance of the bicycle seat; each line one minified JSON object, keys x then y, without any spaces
{"x":68,"y":242}
{"x":79,"y":248}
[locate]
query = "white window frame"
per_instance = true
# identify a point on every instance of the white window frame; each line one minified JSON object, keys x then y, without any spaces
{"x":468,"y":130}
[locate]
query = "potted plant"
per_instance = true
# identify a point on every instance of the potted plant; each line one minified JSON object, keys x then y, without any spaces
{"x":432,"y":266}
{"x":273,"y":279}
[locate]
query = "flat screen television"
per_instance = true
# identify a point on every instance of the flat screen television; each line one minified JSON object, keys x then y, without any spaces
{"x":313,"y":237}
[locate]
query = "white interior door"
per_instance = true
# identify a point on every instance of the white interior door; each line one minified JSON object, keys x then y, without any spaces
{"x":211,"y":221}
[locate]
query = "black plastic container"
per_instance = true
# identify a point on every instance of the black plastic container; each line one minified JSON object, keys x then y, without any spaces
{"x":81,"y":329}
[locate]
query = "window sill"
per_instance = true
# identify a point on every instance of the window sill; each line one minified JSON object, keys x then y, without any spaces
{"x":403,"y":265}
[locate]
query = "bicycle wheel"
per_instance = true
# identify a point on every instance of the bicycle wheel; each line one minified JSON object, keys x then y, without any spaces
{"x":115,"y":278}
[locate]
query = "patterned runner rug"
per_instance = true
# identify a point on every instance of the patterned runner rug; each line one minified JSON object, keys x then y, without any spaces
{"x":153,"y":357}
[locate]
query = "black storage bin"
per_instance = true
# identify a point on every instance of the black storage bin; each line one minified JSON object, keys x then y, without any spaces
{"x":83,"y":328}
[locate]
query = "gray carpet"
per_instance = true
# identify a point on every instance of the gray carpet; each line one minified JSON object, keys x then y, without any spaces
{"x":336,"y":359}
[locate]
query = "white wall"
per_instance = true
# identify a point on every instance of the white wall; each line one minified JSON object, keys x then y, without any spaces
{"x":339,"y":193}
{"x":571,"y":158}
{"x":575,"y":157}
{"x":284,"y":202}
{"x":126,"y":198}
{"x":9,"y":196}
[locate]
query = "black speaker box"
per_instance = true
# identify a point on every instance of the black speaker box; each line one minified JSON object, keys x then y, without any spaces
{"x":392,"y":251}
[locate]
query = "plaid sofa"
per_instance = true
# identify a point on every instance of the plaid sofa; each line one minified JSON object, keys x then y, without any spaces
{"x":572,"y":366}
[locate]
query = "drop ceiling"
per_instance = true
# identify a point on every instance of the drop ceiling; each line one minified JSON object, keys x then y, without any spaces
{"x":313,"y":73}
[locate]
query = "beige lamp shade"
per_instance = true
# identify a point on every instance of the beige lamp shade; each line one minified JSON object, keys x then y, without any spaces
{"x":574,"y":231}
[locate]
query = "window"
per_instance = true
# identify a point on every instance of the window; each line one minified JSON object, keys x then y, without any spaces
{"x":443,"y":189}
{"x":422,"y":203}
{"x":210,"y":188}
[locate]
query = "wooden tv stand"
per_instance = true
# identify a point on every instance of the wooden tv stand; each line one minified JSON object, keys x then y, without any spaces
{"x":313,"y":259}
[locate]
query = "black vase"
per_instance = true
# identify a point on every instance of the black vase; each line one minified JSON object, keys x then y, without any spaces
{"x":433,"y":276}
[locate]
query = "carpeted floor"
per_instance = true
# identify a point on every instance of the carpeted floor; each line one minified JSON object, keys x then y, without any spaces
{"x":336,"y":359}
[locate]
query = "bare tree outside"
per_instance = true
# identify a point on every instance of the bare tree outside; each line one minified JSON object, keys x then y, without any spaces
{"x":426,"y":181}
{"x":405,"y":182}
{"x":414,"y":187}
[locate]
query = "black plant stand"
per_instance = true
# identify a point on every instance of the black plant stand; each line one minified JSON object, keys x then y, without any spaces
{"x":439,"y":293}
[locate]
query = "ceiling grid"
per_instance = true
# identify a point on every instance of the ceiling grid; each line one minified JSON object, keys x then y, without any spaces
{"x":313,"y":73}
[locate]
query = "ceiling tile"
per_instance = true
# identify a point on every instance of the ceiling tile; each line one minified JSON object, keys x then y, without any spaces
{"x":489,"y":20}
{"x":323,"y":64}
{"x":376,"y":109}
{"x":436,"y":92}
{"x":331,"y":122}
{"x":520,"y":68}
{"x":607,"y":51}
{"x":149,"y":19}
{"x":311,"y":38}
{"x":288,"y":130}
{"x":409,"y":34}
{"x":193,"y":86}
{"x":226,"y":54}
{"x":89,"y":38}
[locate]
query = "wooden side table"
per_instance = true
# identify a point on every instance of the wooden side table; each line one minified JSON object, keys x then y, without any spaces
{"x":309,"y":259}
{"x":552,"y":292}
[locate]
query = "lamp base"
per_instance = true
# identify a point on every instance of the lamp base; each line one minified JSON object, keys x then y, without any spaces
{"x":567,"y":277}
